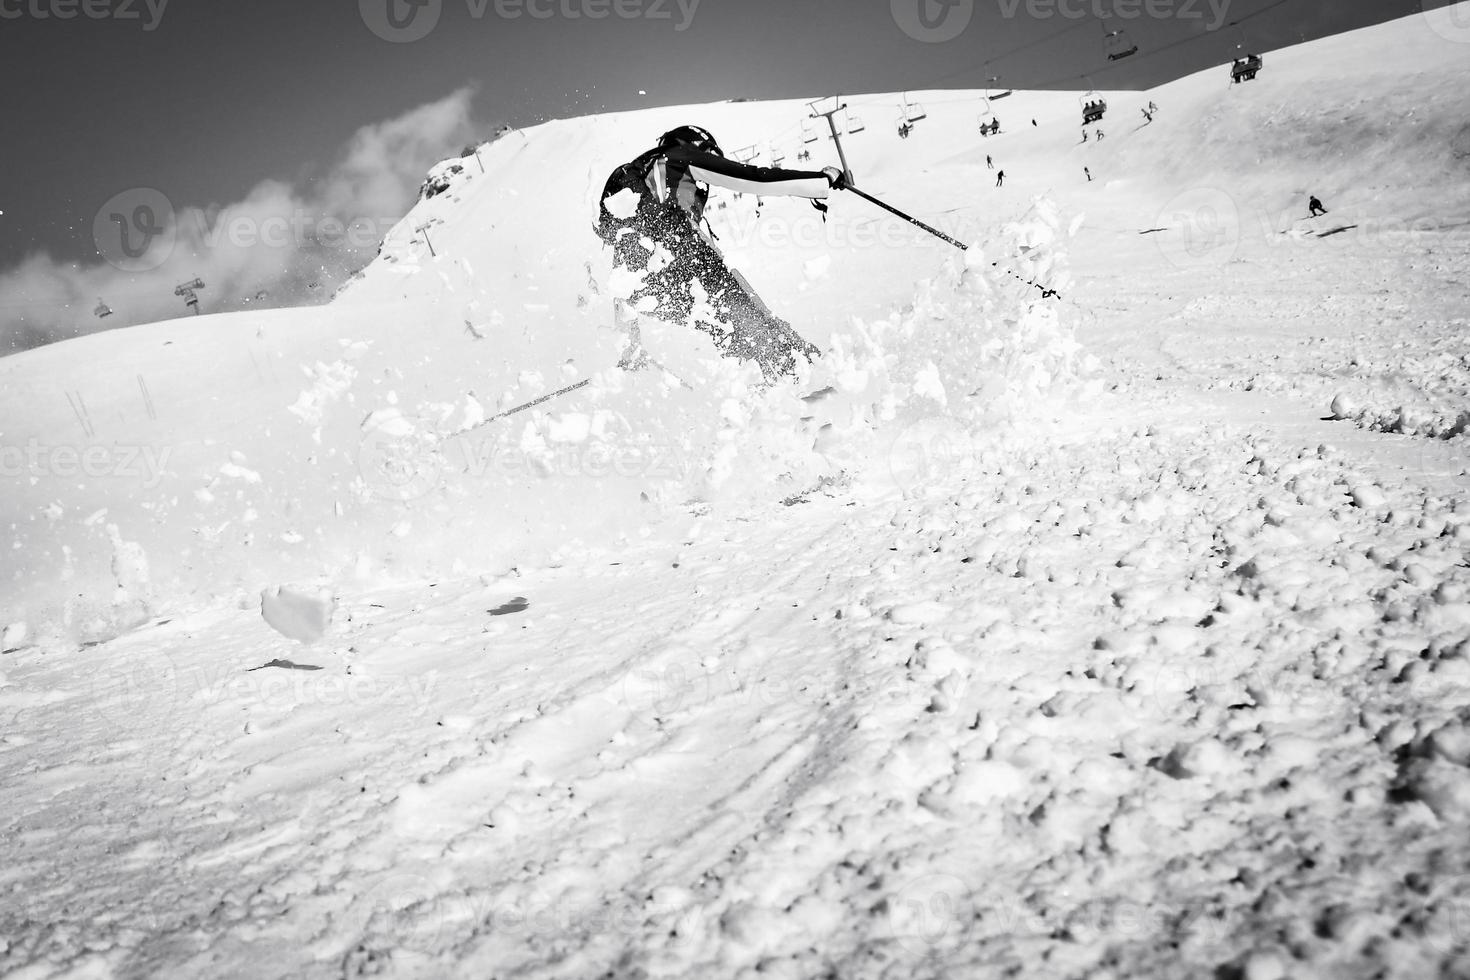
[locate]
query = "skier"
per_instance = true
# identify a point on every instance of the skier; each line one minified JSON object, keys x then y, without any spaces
{"x":1084,"y":136}
{"x":988,"y":164}
{"x":1315,"y":207}
{"x":1152,"y":107}
{"x":1099,"y":135}
{"x":1000,"y":177}
{"x":1088,"y":173}
{"x":650,"y":213}
{"x":1147,"y":116}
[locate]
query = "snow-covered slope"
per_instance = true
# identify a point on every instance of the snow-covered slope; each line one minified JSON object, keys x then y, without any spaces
{"x":1095,"y":651}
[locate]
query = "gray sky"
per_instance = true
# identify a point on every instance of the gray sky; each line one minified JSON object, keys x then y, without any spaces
{"x":204,"y":100}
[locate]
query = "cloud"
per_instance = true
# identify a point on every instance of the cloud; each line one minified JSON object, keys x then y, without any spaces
{"x":281,"y":245}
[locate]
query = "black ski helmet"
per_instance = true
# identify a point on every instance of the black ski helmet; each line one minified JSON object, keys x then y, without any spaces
{"x":695,"y":136}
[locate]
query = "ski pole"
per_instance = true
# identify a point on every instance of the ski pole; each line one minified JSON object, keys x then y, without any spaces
{"x":1045,"y":292}
{"x":907,"y":217}
{"x":530,"y":404}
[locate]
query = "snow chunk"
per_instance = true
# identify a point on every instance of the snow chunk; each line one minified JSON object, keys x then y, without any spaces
{"x":1369,"y":497}
{"x":982,"y":783}
{"x":623,"y":204}
{"x":918,"y":612}
{"x":329,"y":383}
{"x":300,"y":614}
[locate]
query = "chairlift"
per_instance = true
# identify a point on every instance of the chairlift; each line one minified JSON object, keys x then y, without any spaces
{"x":1117,"y":44}
{"x":778,"y":155}
{"x":854,"y":123}
{"x":912,"y":111}
{"x":1093,"y":107}
{"x":808,"y":131}
{"x":1244,"y":69}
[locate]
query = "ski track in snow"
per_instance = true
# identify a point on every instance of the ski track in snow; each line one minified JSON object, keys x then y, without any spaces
{"x":1165,"y":676}
{"x":1109,"y":699}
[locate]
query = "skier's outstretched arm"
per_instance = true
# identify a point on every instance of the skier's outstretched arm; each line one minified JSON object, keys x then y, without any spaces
{"x":711,"y":168}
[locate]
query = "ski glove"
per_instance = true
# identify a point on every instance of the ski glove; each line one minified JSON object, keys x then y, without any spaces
{"x":836,"y":178}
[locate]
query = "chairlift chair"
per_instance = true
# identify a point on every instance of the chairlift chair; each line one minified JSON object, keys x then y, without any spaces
{"x":778,"y":155}
{"x":1244,"y":69}
{"x":808,"y":131}
{"x":1117,"y":44}
{"x":912,"y":111}
{"x":854,"y":123}
{"x":1093,"y":107}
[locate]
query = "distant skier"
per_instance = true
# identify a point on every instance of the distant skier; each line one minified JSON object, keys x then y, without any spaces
{"x":1084,"y":136}
{"x":1033,"y":122}
{"x":1148,"y":117}
{"x":650,"y":213}
{"x":989,"y":164}
{"x":1315,"y":207}
{"x":1088,"y":173}
{"x":1000,"y":177}
{"x":1099,"y":135}
{"x":1152,"y":107}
